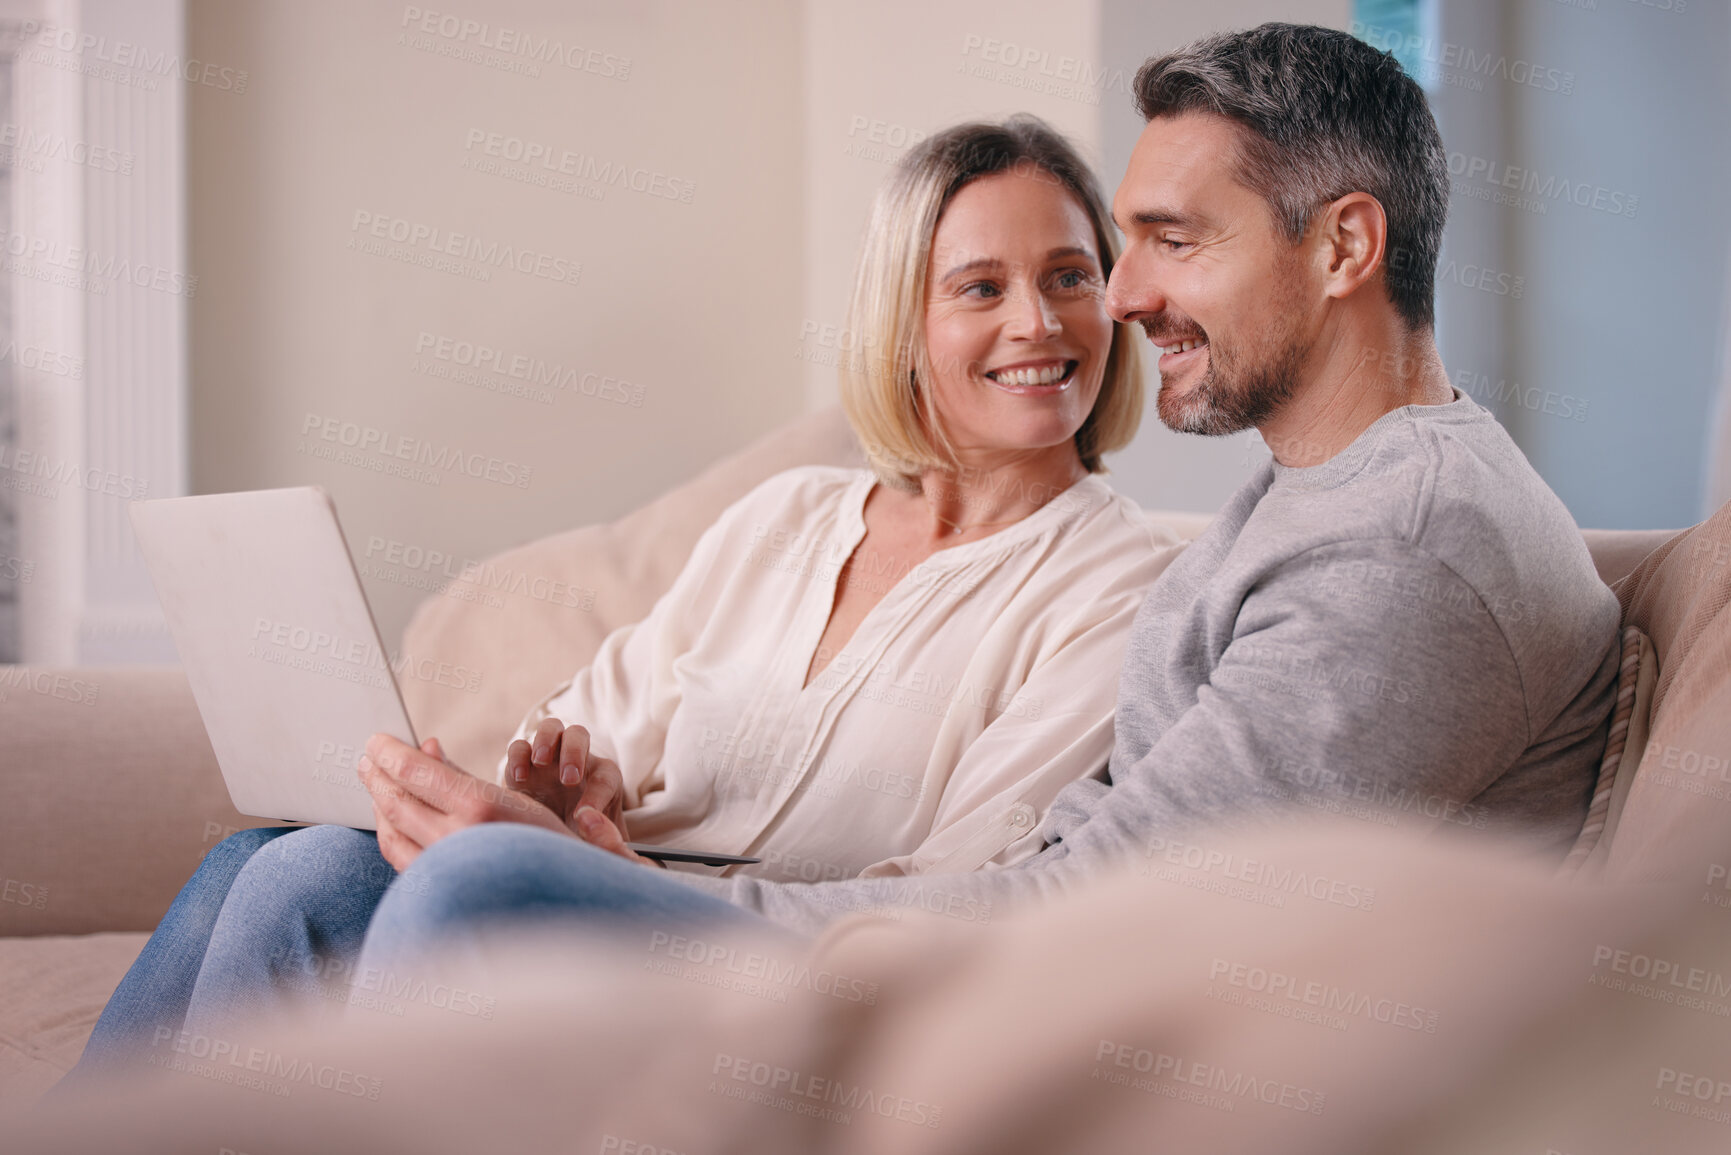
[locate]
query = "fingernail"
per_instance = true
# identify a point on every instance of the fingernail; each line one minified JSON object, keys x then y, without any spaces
{"x":568,"y":774}
{"x":539,"y":753}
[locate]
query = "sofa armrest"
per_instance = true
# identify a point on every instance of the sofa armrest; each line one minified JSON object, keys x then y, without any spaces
{"x":112,"y":796}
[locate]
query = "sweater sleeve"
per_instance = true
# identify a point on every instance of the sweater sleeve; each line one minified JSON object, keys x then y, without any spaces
{"x":1405,"y":681}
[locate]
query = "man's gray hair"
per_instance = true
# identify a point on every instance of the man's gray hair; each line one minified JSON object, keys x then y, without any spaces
{"x":1324,"y":114}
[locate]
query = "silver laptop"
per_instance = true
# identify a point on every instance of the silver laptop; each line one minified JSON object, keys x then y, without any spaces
{"x":279,"y":644}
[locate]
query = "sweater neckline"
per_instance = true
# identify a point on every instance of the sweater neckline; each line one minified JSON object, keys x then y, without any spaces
{"x":1347,"y":464}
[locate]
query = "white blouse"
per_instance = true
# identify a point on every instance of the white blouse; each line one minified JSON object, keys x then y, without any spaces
{"x":981,"y":683}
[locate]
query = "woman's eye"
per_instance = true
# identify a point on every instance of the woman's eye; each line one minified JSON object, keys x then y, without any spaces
{"x":1073,"y":279}
{"x":981,"y":289}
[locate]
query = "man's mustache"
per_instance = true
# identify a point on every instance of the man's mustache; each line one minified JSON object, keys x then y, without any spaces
{"x":1169,"y":331}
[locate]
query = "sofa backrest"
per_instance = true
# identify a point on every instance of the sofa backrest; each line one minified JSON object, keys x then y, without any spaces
{"x":1676,"y":821}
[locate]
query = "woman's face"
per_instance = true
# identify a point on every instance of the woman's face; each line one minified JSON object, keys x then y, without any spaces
{"x":1016,"y":327}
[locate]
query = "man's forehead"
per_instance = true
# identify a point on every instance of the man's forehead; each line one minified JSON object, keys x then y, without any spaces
{"x":1176,"y":166}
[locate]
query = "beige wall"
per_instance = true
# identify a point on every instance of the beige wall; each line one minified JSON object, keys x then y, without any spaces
{"x":720,"y":318}
{"x":881,"y":76}
{"x":686,"y":307}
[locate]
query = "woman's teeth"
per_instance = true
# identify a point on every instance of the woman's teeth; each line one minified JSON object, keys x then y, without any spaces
{"x":1050,"y":375}
{"x":1181,"y":347}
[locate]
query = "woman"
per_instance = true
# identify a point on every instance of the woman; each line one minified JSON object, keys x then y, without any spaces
{"x":857,"y":672}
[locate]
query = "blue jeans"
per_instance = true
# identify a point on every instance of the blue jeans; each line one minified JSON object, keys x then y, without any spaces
{"x":275,"y":915}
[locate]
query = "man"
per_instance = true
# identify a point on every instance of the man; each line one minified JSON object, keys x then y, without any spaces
{"x":1396,"y":607}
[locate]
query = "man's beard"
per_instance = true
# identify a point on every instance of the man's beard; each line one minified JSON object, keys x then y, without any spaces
{"x":1230,"y":397}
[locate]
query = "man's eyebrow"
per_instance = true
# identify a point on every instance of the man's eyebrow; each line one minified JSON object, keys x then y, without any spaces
{"x":1163,"y":217}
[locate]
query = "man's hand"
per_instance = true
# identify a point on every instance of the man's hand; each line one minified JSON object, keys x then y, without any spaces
{"x":419,"y":798}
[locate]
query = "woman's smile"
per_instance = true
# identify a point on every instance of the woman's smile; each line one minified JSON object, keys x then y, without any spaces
{"x":1035,"y":378}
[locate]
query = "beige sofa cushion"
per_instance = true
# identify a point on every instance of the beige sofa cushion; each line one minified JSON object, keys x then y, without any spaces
{"x":55,"y":987}
{"x":110,"y":803}
{"x":1471,"y":1023}
{"x":1677,"y":818}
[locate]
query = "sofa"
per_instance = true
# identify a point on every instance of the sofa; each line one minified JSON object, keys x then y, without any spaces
{"x":116,"y":796}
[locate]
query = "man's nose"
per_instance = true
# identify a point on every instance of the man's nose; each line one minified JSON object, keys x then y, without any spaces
{"x":1130,"y":291}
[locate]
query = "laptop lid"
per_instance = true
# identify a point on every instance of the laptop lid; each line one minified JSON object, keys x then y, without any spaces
{"x":277,"y":639}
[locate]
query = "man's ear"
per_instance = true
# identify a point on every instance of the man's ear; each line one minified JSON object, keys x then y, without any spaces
{"x":1352,"y":242}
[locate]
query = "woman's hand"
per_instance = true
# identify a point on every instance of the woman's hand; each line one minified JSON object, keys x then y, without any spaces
{"x":557,"y":768}
{"x":419,"y":798}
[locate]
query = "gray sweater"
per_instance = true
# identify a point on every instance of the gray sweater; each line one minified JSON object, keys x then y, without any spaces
{"x":1411,"y":629}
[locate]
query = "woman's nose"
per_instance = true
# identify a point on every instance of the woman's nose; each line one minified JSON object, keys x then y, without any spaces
{"x":1034,"y":316}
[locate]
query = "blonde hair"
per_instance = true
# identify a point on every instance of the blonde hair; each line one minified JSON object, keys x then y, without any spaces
{"x":896,"y":421}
